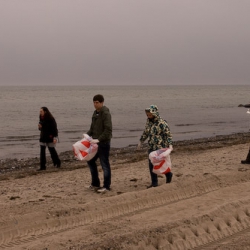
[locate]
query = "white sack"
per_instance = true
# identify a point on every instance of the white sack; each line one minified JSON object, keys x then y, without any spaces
{"x":161,"y":160}
{"x":84,"y":150}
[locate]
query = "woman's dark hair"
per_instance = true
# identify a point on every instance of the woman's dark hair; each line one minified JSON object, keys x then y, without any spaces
{"x":47,"y":113}
{"x":98,"y":98}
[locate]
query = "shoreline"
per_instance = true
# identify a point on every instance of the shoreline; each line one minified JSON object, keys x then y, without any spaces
{"x":125,"y":154}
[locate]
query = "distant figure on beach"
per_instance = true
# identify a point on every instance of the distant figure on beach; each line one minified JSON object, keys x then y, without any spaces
{"x":244,"y":105}
{"x":159,"y":136}
{"x":247,"y":161}
{"x":101,"y":132}
{"x":48,"y":138}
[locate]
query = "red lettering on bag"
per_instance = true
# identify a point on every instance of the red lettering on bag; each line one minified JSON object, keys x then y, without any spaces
{"x":160,"y":165}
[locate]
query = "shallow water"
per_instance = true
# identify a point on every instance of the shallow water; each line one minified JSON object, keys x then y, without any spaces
{"x":191,"y":111}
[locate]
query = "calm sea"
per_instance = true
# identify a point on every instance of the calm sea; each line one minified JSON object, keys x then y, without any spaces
{"x":191,"y":111}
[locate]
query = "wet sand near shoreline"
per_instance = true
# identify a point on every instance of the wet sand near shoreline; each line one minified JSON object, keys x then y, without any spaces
{"x":206,"y":206}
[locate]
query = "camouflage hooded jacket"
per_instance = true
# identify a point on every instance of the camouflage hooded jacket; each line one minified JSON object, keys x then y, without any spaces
{"x":156,"y":131}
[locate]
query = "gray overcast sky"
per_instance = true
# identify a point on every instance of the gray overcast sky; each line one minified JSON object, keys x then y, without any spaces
{"x":61,"y":42}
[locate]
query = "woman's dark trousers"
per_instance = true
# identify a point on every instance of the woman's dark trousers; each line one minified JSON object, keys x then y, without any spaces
{"x":42,"y":157}
{"x":54,"y":156}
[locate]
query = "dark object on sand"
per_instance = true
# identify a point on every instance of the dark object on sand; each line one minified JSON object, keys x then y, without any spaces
{"x":245,"y":106}
{"x":247,"y":161}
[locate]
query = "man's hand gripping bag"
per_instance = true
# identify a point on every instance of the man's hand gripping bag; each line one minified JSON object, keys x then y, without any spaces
{"x":84,"y":150}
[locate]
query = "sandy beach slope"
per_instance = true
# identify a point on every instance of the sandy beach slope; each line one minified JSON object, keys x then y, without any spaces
{"x":207,"y":205}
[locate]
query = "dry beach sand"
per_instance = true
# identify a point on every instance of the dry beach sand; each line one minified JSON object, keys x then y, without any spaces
{"x":207,"y":205}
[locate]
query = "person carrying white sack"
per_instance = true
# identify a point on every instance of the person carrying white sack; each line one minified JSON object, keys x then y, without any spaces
{"x":159,"y":136}
{"x":101,"y":132}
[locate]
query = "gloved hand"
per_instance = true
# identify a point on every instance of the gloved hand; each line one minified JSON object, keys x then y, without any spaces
{"x":171,"y":147}
{"x":139,"y":146}
{"x":94,"y":141}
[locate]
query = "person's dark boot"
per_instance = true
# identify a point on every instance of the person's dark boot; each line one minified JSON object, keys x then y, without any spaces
{"x":58,"y":165}
{"x":151,"y":186}
{"x":247,"y":161}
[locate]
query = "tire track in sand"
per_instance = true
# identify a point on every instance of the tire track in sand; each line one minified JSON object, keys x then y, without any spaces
{"x":36,"y":229}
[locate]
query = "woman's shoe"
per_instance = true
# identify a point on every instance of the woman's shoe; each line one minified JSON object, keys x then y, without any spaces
{"x":58,"y":165}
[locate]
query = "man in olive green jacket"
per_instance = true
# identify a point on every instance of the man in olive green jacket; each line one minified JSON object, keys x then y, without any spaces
{"x":101,"y":132}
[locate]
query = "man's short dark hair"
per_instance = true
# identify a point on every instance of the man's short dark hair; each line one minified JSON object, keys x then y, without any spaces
{"x":98,"y":98}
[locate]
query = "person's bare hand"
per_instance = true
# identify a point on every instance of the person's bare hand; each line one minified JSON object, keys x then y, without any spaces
{"x":139,"y":146}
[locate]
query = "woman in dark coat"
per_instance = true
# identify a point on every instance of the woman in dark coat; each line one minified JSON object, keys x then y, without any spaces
{"x":48,"y":138}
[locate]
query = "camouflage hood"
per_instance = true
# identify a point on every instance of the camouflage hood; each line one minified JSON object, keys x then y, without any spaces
{"x":153,"y":109}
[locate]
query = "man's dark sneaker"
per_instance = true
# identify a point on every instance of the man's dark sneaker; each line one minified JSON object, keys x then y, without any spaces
{"x":169,"y":177}
{"x":245,"y":162}
{"x":93,"y":188}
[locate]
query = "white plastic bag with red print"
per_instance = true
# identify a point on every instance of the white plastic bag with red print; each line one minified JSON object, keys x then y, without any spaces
{"x":161,"y":160}
{"x":84,"y":150}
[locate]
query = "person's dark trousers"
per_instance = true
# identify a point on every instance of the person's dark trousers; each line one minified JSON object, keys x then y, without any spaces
{"x":103,"y":155}
{"x":169,"y":177}
{"x":54,"y":156}
{"x":42,"y":157}
{"x":154,"y":177}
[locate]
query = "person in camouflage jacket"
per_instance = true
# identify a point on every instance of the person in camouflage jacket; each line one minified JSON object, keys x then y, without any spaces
{"x":159,"y":136}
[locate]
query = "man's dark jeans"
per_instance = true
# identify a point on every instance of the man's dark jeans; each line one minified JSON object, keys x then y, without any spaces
{"x":103,"y":155}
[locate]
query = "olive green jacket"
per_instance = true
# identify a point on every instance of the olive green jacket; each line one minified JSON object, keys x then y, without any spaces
{"x":101,"y":126}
